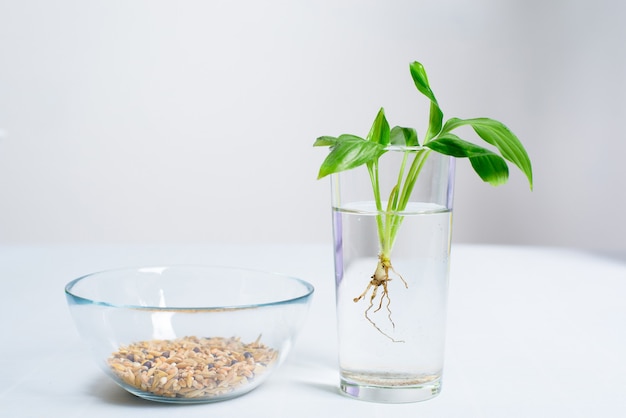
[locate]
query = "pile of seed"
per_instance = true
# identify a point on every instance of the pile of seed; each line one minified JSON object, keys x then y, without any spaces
{"x":191,"y":367}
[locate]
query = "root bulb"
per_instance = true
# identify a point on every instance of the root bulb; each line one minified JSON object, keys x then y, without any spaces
{"x":379,"y":279}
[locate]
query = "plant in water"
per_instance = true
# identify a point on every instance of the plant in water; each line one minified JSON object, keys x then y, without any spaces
{"x":350,"y":151}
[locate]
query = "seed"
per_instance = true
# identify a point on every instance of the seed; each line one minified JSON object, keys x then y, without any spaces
{"x":118,"y":367}
{"x":191,"y":367}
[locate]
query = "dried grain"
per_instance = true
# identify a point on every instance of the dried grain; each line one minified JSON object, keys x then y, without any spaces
{"x":191,"y":367}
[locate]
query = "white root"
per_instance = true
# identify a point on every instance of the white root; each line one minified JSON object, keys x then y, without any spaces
{"x":380,"y":278}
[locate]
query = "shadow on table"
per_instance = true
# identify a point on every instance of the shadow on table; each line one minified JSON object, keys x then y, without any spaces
{"x":321,"y":387}
{"x":616,"y":256}
{"x":110,"y":393}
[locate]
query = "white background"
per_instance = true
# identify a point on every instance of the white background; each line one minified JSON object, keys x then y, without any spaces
{"x":192,"y":121}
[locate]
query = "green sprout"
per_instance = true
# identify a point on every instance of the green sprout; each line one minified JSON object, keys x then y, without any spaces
{"x":350,"y":151}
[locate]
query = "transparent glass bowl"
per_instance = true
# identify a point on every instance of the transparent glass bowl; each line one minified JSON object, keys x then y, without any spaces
{"x":188,"y":334}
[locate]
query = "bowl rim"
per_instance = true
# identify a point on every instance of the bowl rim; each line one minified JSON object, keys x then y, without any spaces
{"x":308,"y":290}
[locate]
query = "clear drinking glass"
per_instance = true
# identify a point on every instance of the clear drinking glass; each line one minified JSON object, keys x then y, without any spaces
{"x":391,"y":349}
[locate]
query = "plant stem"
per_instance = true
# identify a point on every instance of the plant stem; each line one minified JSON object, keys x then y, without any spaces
{"x":392,"y":205}
{"x":398,"y":199}
{"x":372,"y":168}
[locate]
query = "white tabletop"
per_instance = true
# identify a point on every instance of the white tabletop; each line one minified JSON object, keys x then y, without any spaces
{"x":532,"y":332}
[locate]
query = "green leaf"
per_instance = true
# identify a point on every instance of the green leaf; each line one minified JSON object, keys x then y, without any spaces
{"x":434,"y":122}
{"x":450,"y":144}
{"x":348,"y":152}
{"x":325,"y":141}
{"x":418,"y":73}
{"x":403,"y":137}
{"x":491,"y":169}
{"x":379,"y":132}
{"x":489,"y":166}
{"x":435,"y":119}
{"x":498,"y":135}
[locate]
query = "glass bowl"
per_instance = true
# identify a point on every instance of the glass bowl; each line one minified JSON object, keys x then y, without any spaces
{"x":188,"y":334}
